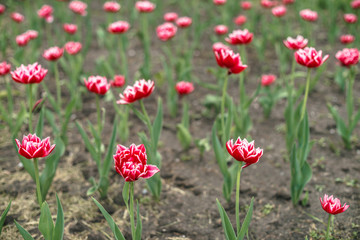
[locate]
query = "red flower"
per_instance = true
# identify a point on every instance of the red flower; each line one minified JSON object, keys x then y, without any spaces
{"x":309,"y":15}
{"x":240,"y":20}
{"x":267,"y":80}
{"x":244,"y":151}
{"x":348,"y":56}
{"x":288,"y":1}
{"x":350,"y":18}
{"x":33,"y":147}
{"x":141,"y":89}
{"x":221,"y":29}
{"x":97,"y":84}
{"x":346,"y":39}
{"x":166,"y":31}
{"x":183,"y":22}
{"x":246,"y":5}
{"x":119,"y":27}
{"x":355,"y":4}
{"x":219,"y":2}
{"x":2,"y":9}
{"x":119,"y":81}
{"x":46,"y":12}
{"x":228,"y":59}
{"x":144,"y":6}
{"x":78,"y":7}
{"x":131,"y":163}
{"x":32,"y":34}
{"x":73,"y":48}
{"x":4,"y":68}
{"x":32,"y":73}
{"x":22,"y":40}
{"x":332,"y":206}
{"x":112,"y":7}
{"x":240,"y":37}
{"x":309,"y":57}
{"x":53,"y":53}
{"x":17,"y":17}
{"x":295,"y":44}
{"x":279,"y":11}
{"x":184,"y":88}
{"x":70,"y":28}
{"x":170,"y":16}
{"x":218,"y":46}
{"x":267,"y":3}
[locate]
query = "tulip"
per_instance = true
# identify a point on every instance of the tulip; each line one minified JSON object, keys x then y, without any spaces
{"x":70,"y":28}
{"x":97,"y":84}
{"x":246,"y":5}
{"x":267,"y":3}
{"x":348,"y":56}
{"x":73,"y":48}
{"x":32,"y":34}
{"x":333,"y":207}
{"x":267,"y":80}
{"x":46,"y":12}
{"x":131,"y":163}
{"x":350,"y":18}
{"x":355,"y":4}
{"x":244,"y":151}
{"x":166,"y":31}
{"x":33,"y":73}
{"x":346,"y":39}
{"x":145,"y":6}
{"x":308,"y":15}
{"x":288,"y":2}
{"x":33,"y":147}
{"x":240,"y":37}
{"x":295,"y":43}
{"x":183,"y":22}
{"x":78,"y":7}
{"x":22,"y":40}
{"x":184,"y":88}
{"x":4,"y":68}
{"x":279,"y":11}
{"x":2,"y":8}
{"x":141,"y":89}
{"x":228,"y":59}
{"x":119,"y":81}
{"x":218,"y":46}
{"x":118,"y":27}
{"x":17,"y":17}
{"x":240,"y":20}
{"x":170,"y":16}
{"x":221,"y":29}
{"x":309,"y":57}
{"x":219,"y":2}
{"x":111,"y":7}
{"x":53,"y":53}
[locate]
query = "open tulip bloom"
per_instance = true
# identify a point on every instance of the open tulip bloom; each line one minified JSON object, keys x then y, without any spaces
{"x":332,"y":206}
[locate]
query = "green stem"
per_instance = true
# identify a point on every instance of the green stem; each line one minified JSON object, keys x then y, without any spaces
{"x":9,"y":96}
{"x":306,"y":94}
{"x":148,"y":122}
{"x":122,"y":50}
{"x":223,"y":107}
{"x":99,"y":122}
{"x":146,"y":46}
{"x":38,"y":190}
{"x":328,"y":227}
{"x":30,"y":107}
{"x":349,"y":97}
{"x":131,"y":212}
{"x":237,"y":210}
{"x":58,"y":89}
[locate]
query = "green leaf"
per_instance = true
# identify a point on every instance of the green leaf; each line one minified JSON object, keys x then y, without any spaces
{"x":138,"y":114}
{"x":114,"y":228}
{"x":40,"y":124}
{"x":25,"y":234}
{"x":157,"y":126}
{"x":219,"y":153}
{"x":247,"y":220}
{"x":183,"y":135}
{"x":88,"y":144}
{"x":59,"y":224}
{"x":67,"y":115}
{"x":125,"y":194}
{"x":20,"y":118}
{"x":227,"y":227}
{"x":50,"y":118}
{"x":95,"y":134}
{"x":51,"y":98}
{"x":51,"y":164}
{"x":340,"y":124}
{"x":91,"y":190}
{"x":3,"y":216}
{"x":138,"y":229}
{"x":46,"y":225}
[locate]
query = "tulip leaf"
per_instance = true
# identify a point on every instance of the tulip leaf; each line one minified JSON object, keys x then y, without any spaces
{"x":184,"y":136}
{"x":51,"y":98}
{"x":219,"y":152}
{"x":87,"y":143}
{"x":95,"y":134}
{"x":3,"y":216}
{"x":229,"y":120}
{"x":68,"y":111}
{"x":138,"y":114}
{"x":40,"y":124}
{"x":50,"y":118}
{"x":114,"y":228}
{"x":156,"y":131}
{"x":58,"y":232}
{"x":20,"y":118}
{"x":46,"y":225}
{"x":227,"y":227}
{"x":125,"y":194}
{"x":247,"y":220}
{"x":25,"y":234}
{"x":354,"y":122}
{"x":52,"y":162}
{"x":138,"y":229}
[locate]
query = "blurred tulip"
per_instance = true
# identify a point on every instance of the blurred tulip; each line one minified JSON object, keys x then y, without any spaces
{"x":4,"y":68}
{"x":219,"y":2}
{"x":184,"y":88}
{"x":22,"y":39}
{"x":32,"y":34}
{"x":267,"y":80}
{"x":246,"y":5}
{"x":244,"y":151}
{"x":355,"y":4}
{"x":279,"y":11}
{"x":240,"y":37}
{"x":309,"y":57}
{"x":119,"y":81}
{"x":267,"y":3}
{"x":145,"y":6}
{"x":288,"y":2}
{"x":17,"y":17}
{"x":2,"y":9}
{"x":308,"y":15}
{"x":350,"y":18}
{"x":73,"y":48}
{"x":218,"y":46}
{"x":166,"y":31}
{"x":53,"y":53}
{"x":119,"y":27}
{"x":240,"y":20}
{"x":78,"y":7}
{"x":70,"y":28}
{"x":221,"y":29}
{"x":32,"y":73}
{"x":46,"y":12}
{"x":97,"y":84}
{"x":170,"y":16}
{"x":348,"y":56}
{"x":111,"y":7}
{"x":183,"y":22}
{"x":295,"y":44}
{"x":346,"y":39}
